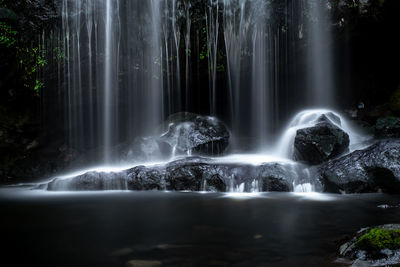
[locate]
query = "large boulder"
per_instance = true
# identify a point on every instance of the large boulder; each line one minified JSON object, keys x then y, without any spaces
{"x":181,"y":134}
{"x":376,"y":168}
{"x":188,"y":132}
{"x":314,"y":145}
{"x":388,"y":127}
{"x":192,"y":174}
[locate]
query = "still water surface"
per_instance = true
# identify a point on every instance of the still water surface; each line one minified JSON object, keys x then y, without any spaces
{"x":183,"y":229}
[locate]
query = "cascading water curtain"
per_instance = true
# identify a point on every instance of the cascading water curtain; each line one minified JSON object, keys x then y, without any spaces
{"x":130,"y":63}
{"x":250,"y":60}
{"x":113,"y":71}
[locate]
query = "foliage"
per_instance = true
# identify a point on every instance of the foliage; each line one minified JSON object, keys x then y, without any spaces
{"x":30,"y":58}
{"x":22,"y":59}
{"x":8,"y":35}
{"x":377,"y":239}
{"x":31,"y":61}
{"x":59,"y":54}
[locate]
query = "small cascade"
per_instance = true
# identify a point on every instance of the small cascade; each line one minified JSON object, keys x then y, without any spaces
{"x":254,"y":186}
{"x":303,"y":188}
{"x":309,"y":118}
{"x":239,"y":188}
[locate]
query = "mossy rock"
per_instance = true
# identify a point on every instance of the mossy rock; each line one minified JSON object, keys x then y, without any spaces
{"x":378,"y":239}
{"x":372,"y":240}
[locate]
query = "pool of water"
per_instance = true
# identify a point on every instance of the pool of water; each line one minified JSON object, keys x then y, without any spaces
{"x":182,"y":228}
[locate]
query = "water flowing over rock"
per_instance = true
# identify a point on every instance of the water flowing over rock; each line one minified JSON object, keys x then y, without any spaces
{"x":188,"y":132}
{"x":181,"y":134}
{"x":143,"y":149}
{"x":193,"y":174}
{"x":319,"y":143}
{"x":310,"y":119}
{"x":376,"y":168}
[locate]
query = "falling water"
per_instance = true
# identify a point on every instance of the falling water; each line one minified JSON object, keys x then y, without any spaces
{"x":309,"y":118}
{"x":171,"y":38}
{"x":188,"y":52}
{"x":212,"y":21}
{"x":110,"y":73}
{"x":319,"y":70}
{"x":113,"y":71}
{"x":129,"y":64}
{"x":251,"y":48}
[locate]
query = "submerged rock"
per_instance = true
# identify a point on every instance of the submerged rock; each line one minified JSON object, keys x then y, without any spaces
{"x":188,"y":132}
{"x":373,"y":246}
{"x":192,"y":174}
{"x":376,"y":168}
{"x":321,"y":142}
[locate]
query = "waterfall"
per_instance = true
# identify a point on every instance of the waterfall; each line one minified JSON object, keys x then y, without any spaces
{"x":130,"y":63}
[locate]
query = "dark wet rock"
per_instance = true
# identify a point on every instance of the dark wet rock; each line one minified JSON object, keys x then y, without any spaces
{"x":329,"y":117}
{"x":141,"y":178}
{"x":192,"y":174}
{"x":196,"y":176}
{"x":91,"y":181}
{"x":376,"y":168}
{"x":275,"y":177}
{"x":188,"y":132}
{"x":388,"y":127}
{"x":373,"y":246}
{"x":319,"y":143}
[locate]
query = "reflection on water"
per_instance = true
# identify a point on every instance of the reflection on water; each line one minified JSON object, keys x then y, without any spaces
{"x":183,"y":229}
